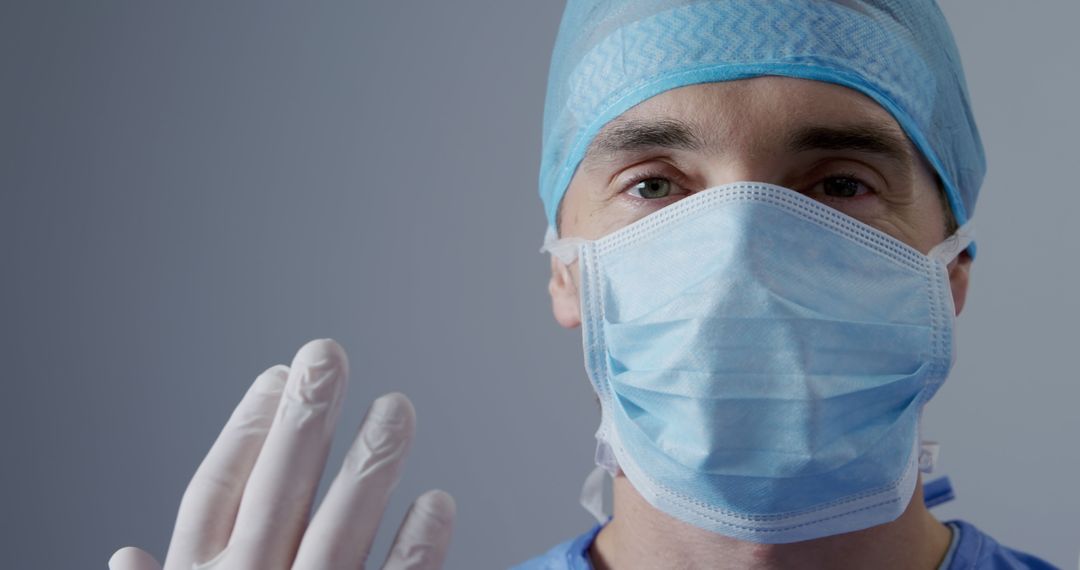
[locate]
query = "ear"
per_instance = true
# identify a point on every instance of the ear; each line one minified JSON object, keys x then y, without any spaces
{"x":959,"y":273}
{"x":565,"y":302}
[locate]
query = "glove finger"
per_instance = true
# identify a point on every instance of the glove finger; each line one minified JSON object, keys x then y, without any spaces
{"x":132,"y":558}
{"x":424,"y":538}
{"x":344,"y":526}
{"x":277,"y":499}
{"x":209,"y":504}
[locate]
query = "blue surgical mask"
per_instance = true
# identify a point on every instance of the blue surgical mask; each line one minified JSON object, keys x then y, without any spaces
{"x":762,"y":360}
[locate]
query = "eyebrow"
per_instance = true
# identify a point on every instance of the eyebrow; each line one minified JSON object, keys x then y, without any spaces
{"x":870,"y":138}
{"x":633,"y":135}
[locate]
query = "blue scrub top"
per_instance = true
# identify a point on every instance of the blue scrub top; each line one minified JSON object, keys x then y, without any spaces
{"x":970,"y":549}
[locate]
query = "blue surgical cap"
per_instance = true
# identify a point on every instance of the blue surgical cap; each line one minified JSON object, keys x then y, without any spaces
{"x":613,"y":54}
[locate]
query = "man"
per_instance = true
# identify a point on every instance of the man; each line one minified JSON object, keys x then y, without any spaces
{"x":744,"y":131}
{"x":759,"y":213}
{"x":763,"y":210}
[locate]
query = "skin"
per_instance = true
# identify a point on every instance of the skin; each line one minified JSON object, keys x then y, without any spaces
{"x":744,"y":126}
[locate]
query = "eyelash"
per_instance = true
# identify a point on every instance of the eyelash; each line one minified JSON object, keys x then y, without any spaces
{"x":848,"y":175}
{"x":649,"y":175}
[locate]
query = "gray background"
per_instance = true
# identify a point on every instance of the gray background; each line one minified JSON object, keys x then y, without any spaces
{"x":191,"y":190}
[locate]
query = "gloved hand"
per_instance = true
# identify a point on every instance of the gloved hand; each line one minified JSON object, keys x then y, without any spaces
{"x":247,"y":505}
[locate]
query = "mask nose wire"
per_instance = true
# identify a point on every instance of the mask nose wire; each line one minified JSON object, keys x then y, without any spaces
{"x":566,"y":249}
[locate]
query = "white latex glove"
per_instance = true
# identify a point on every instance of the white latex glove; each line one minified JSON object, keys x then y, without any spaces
{"x":247,"y":505}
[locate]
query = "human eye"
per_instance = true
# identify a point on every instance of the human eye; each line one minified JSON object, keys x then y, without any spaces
{"x":842,"y":185}
{"x":650,"y":186}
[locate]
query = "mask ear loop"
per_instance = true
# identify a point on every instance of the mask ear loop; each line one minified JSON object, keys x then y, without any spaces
{"x":592,"y":491}
{"x":949,"y":249}
{"x":940,"y":490}
{"x":565,"y":249}
{"x":594,"y":488}
{"x":592,"y":494}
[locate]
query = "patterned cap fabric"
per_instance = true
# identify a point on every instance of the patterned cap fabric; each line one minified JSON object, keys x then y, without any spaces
{"x":612,"y":54}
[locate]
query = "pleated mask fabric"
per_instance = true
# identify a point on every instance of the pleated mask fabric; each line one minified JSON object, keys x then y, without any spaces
{"x":762,"y":360}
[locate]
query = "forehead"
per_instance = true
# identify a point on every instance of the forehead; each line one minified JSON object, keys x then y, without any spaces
{"x":758,"y":112}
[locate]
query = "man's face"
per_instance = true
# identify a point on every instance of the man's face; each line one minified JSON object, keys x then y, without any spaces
{"x":829,"y":142}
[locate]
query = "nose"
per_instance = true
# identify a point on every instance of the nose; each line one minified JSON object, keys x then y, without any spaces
{"x":744,"y":167}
